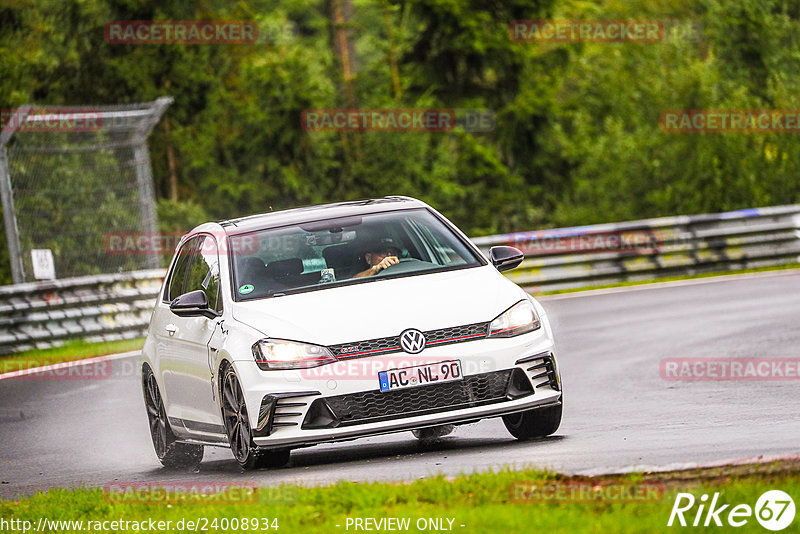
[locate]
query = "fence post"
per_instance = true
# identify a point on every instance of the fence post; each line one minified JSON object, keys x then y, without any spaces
{"x":144,"y":176}
{"x":7,"y":194}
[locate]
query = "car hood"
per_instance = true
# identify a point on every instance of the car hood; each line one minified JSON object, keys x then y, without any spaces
{"x":384,"y":307}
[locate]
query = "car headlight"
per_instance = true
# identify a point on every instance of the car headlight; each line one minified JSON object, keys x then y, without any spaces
{"x":273,"y":354}
{"x":519,"y":319}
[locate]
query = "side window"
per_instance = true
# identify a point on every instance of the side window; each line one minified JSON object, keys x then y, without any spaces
{"x":176,"y":283}
{"x":203,"y":272}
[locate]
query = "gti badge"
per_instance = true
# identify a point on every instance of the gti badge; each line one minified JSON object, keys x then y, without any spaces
{"x":412,"y":341}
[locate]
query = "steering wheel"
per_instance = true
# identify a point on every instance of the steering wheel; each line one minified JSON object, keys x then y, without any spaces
{"x":404,"y":265}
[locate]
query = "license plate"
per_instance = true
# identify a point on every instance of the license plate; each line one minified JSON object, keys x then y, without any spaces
{"x":420,"y":375}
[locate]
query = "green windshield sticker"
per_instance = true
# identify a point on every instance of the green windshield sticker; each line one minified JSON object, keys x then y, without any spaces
{"x":245,"y":289}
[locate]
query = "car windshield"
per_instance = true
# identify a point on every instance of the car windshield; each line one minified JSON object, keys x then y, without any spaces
{"x":322,"y":254}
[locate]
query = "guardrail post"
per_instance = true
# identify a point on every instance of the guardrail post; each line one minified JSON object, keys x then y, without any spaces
{"x":796,"y":220}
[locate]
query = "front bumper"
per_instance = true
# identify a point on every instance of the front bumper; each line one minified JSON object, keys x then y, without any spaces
{"x":313,"y":437}
{"x":297,"y":408}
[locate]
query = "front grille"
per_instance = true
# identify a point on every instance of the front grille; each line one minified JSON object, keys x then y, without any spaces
{"x":363,"y":348}
{"x":374,"y":406}
{"x":455,"y":334}
{"x":386,"y":345}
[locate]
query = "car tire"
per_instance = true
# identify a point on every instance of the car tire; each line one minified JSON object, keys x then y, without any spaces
{"x":532,"y":424}
{"x":170,"y":452}
{"x":263,"y":459}
{"x":237,"y":428}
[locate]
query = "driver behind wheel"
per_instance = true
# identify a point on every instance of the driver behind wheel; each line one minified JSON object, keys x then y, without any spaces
{"x":379,"y":256}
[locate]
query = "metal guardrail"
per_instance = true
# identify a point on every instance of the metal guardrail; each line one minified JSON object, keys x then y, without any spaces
{"x":94,"y":308}
{"x":118,"y":306}
{"x":586,"y":256}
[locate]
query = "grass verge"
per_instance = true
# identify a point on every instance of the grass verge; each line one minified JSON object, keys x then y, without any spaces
{"x":484,"y":503}
{"x":70,"y":351}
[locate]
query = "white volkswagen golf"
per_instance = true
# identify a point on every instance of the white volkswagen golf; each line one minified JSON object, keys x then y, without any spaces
{"x":335,"y":322}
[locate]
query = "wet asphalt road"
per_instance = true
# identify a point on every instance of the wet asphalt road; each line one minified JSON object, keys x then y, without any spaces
{"x":619,"y":412}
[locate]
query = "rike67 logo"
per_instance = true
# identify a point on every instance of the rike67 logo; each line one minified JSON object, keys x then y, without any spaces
{"x":774,"y":510}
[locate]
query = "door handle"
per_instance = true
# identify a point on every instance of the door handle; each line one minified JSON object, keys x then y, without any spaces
{"x":171,"y":329}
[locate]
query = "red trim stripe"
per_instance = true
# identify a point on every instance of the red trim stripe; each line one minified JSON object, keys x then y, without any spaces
{"x":343,"y":356}
{"x":367,"y":352}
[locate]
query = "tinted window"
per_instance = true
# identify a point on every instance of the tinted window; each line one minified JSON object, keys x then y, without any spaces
{"x":203,"y":272}
{"x":321,"y":254}
{"x":178,"y":279}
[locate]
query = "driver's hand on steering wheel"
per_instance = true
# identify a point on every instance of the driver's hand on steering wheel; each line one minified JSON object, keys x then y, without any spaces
{"x":378,"y":267}
{"x":384,"y":263}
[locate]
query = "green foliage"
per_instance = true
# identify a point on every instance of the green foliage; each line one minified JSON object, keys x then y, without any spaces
{"x":577,"y":137}
{"x":718,"y":55}
{"x":175,"y":216}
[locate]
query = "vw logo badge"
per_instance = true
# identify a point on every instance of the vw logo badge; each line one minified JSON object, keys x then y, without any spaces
{"x":412,"y":341}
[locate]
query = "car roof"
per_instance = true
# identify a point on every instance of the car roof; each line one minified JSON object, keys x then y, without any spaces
{"x":320,"y":212}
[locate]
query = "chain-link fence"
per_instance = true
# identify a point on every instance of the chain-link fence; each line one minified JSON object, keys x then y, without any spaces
{"x":72,"y":177}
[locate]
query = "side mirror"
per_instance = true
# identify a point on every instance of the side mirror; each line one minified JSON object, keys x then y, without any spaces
{"x":192,"y":304}
{"x":505,"y":258}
